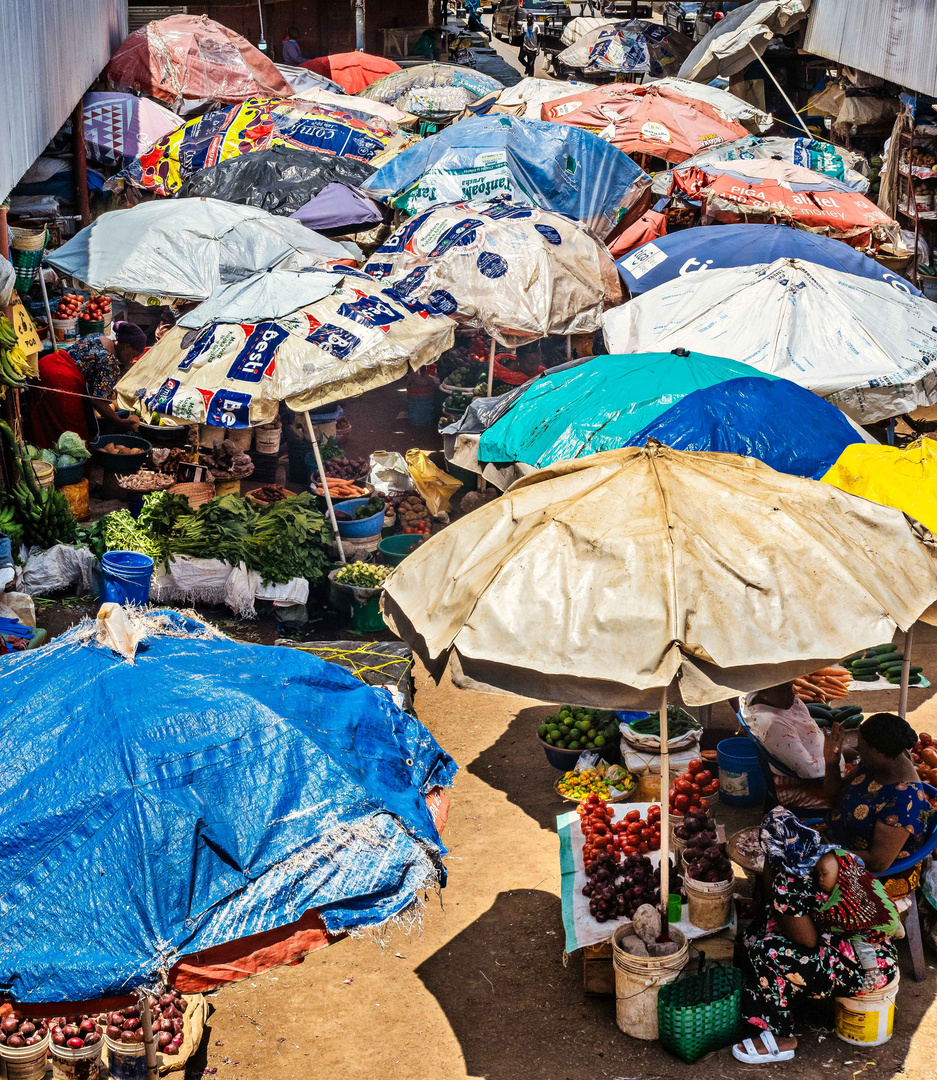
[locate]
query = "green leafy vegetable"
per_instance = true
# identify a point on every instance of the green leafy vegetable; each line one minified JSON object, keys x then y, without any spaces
{"x":290,"y":540}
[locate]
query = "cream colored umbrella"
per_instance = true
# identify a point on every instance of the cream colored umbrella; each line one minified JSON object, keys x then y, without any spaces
{"x":606,"y":579}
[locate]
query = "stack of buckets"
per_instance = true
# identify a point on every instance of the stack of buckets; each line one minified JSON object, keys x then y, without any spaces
{"x":126,"y":577}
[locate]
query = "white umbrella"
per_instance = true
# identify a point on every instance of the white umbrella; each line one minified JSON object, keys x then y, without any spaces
{"x":602,"y":580}
{"x":747,"y":115}
{"x":866,"y":347}
{"x":389,"y":113}
{"x":526,"y":97}
{"x":186,"y":248}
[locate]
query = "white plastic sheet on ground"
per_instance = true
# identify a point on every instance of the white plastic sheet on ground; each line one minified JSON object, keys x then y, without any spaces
{"x":601,"y":580}
{"x":185,"y":248}
{"x":866,"y":347}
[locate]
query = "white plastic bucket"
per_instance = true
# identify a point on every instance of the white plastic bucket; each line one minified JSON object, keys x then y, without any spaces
{"x":867,"y":1020}
{"x":267,"y":440}
{"x":65,"y":329}
{"x":638,"y":980}
{"x":126,"y":1061}
{"x":83,"y":1064}
{"x":27,"y":1063}
{"x":709,"y":903}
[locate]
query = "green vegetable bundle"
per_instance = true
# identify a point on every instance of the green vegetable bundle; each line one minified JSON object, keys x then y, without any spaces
{"x":363,"y":575}
{"x":678,"y":723}
{"x":218,"y":530}
{"x":290,"y":540}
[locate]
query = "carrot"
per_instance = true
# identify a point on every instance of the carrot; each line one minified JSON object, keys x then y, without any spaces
{"x":836,"y":672}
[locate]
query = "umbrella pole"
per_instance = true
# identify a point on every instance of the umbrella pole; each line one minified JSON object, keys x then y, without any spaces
{"x":45,"y":301}
{"x":790,"y":104}
{"x":569,"y":348}
{"x":149,"y":1043}
{"x":325,"y":484}
{"x":491,"y":366}
{"x":664,"y":816}
{"x":905,"y":675}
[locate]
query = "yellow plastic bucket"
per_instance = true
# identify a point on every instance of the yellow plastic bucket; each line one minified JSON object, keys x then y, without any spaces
{"x":867,"y":1020}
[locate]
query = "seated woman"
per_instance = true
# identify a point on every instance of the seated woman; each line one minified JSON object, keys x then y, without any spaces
{"x":779,"y":720}
{"x":880,"y":809}
{"x":77,"y":382}
{"x":825,"y":930}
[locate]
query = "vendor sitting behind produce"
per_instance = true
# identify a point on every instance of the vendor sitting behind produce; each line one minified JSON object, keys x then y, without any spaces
{"x":779,"y":720}
{"x":85,"y":375}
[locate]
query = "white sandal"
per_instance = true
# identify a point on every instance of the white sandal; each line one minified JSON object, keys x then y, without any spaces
{"x":751,"y":1056}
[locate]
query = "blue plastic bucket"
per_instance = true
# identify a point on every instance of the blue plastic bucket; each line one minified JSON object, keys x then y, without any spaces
{"x":125,"y":577}
{"x":421,"y":410}
{"x":741,"y":782}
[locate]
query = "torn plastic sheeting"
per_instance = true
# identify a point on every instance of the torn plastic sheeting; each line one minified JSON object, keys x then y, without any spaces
{"x":297,"y":788}
{"x":188,"y":580}
{"x":261,"y":297}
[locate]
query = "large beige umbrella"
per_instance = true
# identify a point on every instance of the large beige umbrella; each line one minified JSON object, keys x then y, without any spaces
{"x":605,"y":579}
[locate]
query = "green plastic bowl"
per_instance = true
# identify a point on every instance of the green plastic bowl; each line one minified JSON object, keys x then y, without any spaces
{"x":394,"y":549}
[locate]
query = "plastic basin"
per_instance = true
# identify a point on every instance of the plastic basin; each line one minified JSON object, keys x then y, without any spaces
{"x":165,"y":434}
{"x":566,"y":759}
{"x":395,"y":549}
{"x":70,"y":474}
{"x":359,"y":529}
{"x":119,"y":463}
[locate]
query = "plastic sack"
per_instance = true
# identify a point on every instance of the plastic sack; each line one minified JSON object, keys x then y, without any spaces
{"x":436,"y":486}
{"x":59,"y":567}
{"x":389,"y":474}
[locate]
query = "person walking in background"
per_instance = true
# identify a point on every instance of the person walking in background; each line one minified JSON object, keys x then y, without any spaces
{"x":292,"y":53}
{"x":530,"y":46}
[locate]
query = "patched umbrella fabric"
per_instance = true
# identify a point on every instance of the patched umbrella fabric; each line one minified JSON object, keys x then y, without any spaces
{"x":598,"y":404}
{"x":279,"y":180}
{"x":741,"y":37}
{"x":779,"y":192}
{"x":636,"y":47}
{"x":581,"y":26}
{"x":749,"y":116}
{"x":353,"y":71}
{"x":516,"y":272}
{"x":232,"y":789}
{"x":868,"y":348}
{"x":901,"y":476}
{"x":552,"y":166}
{"x":526,"y":97}
{"x":390,"y":114}
{"x":119,"y":126}
{"x":189,"y":61}
{"x":704,"y":248}
{"x":774,"y":420}
{"x":301,"y":79}
{"x":604,"y":579}
{"x":185,"y":248}
{"x":816,"y":154}
{"x":432,"y":90}
{"x":255,"y":125}
{"x":308,"y":339}
{"x":645,"y":119}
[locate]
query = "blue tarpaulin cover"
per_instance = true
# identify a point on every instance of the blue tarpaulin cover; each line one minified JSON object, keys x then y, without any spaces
{"x":776,"y":421}
{"x":553,"y":166}
{"x":203,"y":792}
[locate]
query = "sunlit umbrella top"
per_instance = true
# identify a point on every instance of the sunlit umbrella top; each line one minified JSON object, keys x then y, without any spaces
{"x":432,"y":89}
{"x":353,"y":71}
{"x":636,"y":47}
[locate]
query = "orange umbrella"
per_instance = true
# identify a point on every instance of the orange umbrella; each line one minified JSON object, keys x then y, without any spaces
{"x":779,"y":192}
{"x":652,"y":120}
{"x":353,"y":71}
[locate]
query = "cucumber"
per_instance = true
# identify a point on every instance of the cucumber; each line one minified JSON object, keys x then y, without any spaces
{"x":864,"y":666}
{"x":889,"y":658}
{"x":846,"y":711}
{"x":880,"y":650}
{"x":866,"y":678}
{"x":851,"y":723}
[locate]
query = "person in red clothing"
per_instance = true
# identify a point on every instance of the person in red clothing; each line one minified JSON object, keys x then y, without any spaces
{"x":84,"y":374}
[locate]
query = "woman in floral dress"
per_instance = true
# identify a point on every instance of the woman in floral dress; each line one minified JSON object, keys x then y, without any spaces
{"x":823,"y":912}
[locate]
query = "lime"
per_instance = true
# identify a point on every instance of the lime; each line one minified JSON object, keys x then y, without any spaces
{"x":564,"y":730}
{"x":591,"y":733}
{"x":542,"y":730}
{"x":590,"y":745}
{"x":600,"y":740}
{"x":574,"y":745}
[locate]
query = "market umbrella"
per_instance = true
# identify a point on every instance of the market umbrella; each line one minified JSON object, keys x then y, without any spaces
{"x":749,"y":116}
{"x":234,"y":790}
{"x":390,"y":114}
{"x":301,"y":79}
{"x":432,"y":91}
{"x":353,"y":71}
{"x":698,"y":251}
{"x":516,"y":272}
{"x":777,"y":191}
{"x":119,"y":126}
{"x":598,"y":404}
{"x":526,"y":97}
{"x":338,"y":207}
{"x":255,"y":125}
{"x":604,"y":580}
{"x":279,"y":180}
{"x":647,"y":120}
{"x":552,"y":166}
{"x":583,"y":25}
{"x":185,"y":248}
{"x":816,"y":154}
{"x":862,"y":344}
{"x":190,"y":61}
{"x":636,"y":47}
{"x":742,"y":36}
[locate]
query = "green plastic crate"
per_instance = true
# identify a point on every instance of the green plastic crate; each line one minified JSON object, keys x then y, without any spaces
{"x":700,"y":1013}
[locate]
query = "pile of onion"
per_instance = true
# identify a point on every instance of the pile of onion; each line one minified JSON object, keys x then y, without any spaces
{"x":167,"y":1010}
{"x":18,"y":1031}
{"x":74,"y":1032}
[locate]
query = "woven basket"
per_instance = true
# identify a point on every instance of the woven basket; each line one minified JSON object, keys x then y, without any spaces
{"x":700,"y":1013}
{"x":27,"y":239}
{"x":26,"y":248}
{"x":196,"y":492}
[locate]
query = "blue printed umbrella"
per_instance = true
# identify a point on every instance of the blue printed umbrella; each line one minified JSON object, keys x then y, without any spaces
{"x":515,"y":272}
{"x":637,"y":47}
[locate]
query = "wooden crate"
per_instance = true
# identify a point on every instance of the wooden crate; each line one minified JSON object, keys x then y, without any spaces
{"x":598,"y":975}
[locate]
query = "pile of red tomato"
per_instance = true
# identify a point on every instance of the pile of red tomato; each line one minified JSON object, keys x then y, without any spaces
{"x":96,"y":309}
{"x":633,"y":835}
{"x":693,"y":788}
{"x":68,"y":306}
{"x":924,"y":756}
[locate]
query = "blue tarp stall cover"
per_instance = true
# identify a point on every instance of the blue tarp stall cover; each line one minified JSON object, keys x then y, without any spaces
{"x":553,"y":166}
{"x":206,"y":791}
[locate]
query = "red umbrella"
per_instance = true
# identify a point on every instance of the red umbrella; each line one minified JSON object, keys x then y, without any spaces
{"x":778,"y":192}
{"x":652,"y":120}
{"x":353,"y":71}
{"x":187,"y":60}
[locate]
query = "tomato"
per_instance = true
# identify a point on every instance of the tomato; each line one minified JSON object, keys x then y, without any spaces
{"x":634,"y":828}
{"x":643,"y":848}
{"x":925,"y":739}
{"x":710,"y":789}
{"x":695,"y":766}
{"x":654,"y":843}
{"x":653,"y":813}
{"x":704,"y":805}
{"x":930,"y":756}
{"x":703,"y":777}
{"x":645,"y":834}
{"x":683,"y":787}
{"x":629,"y":850}
{"x":681,"y":803}
{"x":633,"y":815}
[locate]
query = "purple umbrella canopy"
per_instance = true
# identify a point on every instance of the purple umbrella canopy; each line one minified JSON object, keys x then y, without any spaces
{"x":337,"y":206}
{"x":119,"y":125}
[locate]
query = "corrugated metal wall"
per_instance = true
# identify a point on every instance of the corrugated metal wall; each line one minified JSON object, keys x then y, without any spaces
{"x":894,"y":39}
{"x":50,"y":53}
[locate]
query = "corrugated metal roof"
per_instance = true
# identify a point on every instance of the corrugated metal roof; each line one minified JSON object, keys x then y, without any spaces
{"x":894,"y":39}
{"x":140,"y":16}
{"x":50,"y":53}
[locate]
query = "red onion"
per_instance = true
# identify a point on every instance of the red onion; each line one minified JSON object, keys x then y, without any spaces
{"x":33,"y":1040}
{"x":58,"y":1036}
{"x":131,"y":1010}
{"x":27,"y":1028}
{"x":115,"y":1018}
{"x":131,"y":1024}
{"x":9,"y":1025}
{"x":86,"y":1025}
{"x":127,"y":1037}
{"x":71,"y":1031}
{"x":177,"y":1026}
{"x":171,"y":1049}
{"x":163,"y":1039}
{"x":170,"y":1012}
{"x":75,"y":1044}
{"x":113,"y":1032}
{"x":16,"y":1042}
{"x":92,"y":1038}
{"x":163,"y":1025}
{"x":166,"y":999}
{"x":3,"y":1039}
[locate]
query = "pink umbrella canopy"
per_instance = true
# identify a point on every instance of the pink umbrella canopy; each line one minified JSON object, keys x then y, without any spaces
{"x":119,"y":125}
{"x":188,"y":60}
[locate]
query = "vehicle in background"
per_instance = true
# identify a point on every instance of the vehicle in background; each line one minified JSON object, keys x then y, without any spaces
{"x":509,"y":18}
{"x":709,"y":13}
{"x":680,"y":16}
